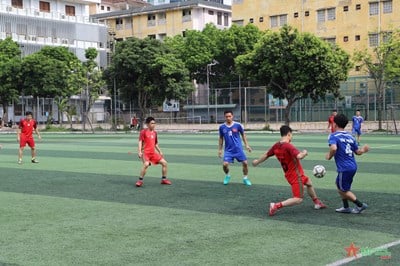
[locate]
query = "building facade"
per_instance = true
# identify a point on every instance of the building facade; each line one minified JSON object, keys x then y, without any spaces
{"x":166,"y":20}
{"x":162,"y":2}
{"x":353,"y":25}
{"x":113,"y":5}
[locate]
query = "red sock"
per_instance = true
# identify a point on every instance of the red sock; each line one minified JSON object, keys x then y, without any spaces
{"x":315,"y":200}
{"x":279,"y":205}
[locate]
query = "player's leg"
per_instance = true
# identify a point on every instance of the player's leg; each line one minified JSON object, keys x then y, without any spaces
{"x":22,"y":144}
{"x":164,"y":169}
{"x":313,"y":195}
{"x":31,"y":144}
{"x":297,"y":192}
{"x":225,"y":168}
{"x":241,"y":157}
{"x":343,"y":183}
{"x":143,"y":170}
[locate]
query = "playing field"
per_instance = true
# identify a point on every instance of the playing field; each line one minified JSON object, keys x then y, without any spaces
{"x":79,"y":205}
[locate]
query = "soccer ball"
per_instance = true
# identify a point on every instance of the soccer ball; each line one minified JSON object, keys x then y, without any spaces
{"x":319,"y":171}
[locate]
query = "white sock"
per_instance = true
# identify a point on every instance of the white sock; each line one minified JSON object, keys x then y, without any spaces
{"x":245,"y":177}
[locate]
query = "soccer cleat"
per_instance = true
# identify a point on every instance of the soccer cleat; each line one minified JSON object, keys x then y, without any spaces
{"x":343,"y":210}
{"x":227,"y":179}
{"x":246,"y":181}
{"x":359,"y":209}
{"x":139,"y":183}
{"x":272,"y":209}
{"x":165,"y":181}
{"x":319,"y":205}
{"x":19,"y":161}
{"x":34,"y":161}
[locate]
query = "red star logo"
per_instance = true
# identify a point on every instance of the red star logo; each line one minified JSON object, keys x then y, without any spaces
{"x":352,"y":250}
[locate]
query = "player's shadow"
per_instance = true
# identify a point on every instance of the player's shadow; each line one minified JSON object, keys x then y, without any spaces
{"x":210,"y":197}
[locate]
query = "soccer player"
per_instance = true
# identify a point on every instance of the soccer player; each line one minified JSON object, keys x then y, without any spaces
{"x":330,"y":121}
{"x":230,"y":132}
{"x":150,"y":152}
{"x":343,"y":146}
{"x":290,"y":157}
{"x":25,"y":131}
{"x":356,"y":129}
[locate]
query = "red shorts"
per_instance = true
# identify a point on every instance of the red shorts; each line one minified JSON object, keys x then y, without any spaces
{"x":153,"y":158}
{"x":297,"y":187}
{"x":23,"y":140}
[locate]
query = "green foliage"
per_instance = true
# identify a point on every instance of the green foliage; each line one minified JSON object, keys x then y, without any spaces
{"x":148,"y":71}
{"x":295,"y":65}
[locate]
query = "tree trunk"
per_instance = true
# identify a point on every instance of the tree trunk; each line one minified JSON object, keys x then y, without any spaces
{"x":287,"y":111}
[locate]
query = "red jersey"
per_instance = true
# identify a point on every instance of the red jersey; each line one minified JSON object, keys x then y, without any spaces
{"x":149,"y":139}
{"x":330,"y":121}
{"x":27,"y":127}
{"x":286,"y":154}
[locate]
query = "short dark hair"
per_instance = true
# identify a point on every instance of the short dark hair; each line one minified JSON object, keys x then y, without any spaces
{"x":227,"y":112}
{"x":341,"y":120}
{"x":358,"y":110}
{"x":285,"y":130}
{"x":28,"y":113}
{"x":149,"y":119}
{"x":334,"y":110}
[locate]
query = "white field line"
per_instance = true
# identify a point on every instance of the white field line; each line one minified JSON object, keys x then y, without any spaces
{"x":359,"y":255}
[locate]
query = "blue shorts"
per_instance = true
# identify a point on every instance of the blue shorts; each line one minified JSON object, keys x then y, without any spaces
{"x":357,"y":131}
{"x":230,"y":157}
{"x":344,"y":180}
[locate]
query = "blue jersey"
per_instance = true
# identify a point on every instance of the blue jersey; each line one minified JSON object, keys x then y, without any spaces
{"x":346,"y":146}
{"x":231,"y":135}
{"x":357,"y":120}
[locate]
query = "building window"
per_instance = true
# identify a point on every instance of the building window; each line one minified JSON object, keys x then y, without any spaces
{"x":219,"y":18}
{"x":277,"y":21}
{"x":17,"y":3}
{"x":238,"y":22}
{"x":226,"y":19}
{"x":186,"y":15}
{"x":331,"y":40}
{"x":386,"y":36}
{"x":373,"y":40}
{"x":296,"y":14}
{"x":44,"y":6}
{"x":358,"y":7}
{"x":151,"y":20}
{"x":331,"y":13}
{"x":358,"y":68}
{"x":345,"y":8}
{"x":70,"y":10}
{"x":128,"y":23}
{"x":251,"y":20}
{"x":102,"y":8}
{"x":373,"y":8}
{"x":108,"y":8}
{"x":211,"y":13}
{"x":261,"y":19}
{"x":307,"y":13}
{"x":357,"y":38}
{"x":346,"y":38}
{"x":118,"y":23}
{"x":326,"y":14}
{"x":387,"y":7}
{"x":151,"y":36}
{"x":321,"y":15}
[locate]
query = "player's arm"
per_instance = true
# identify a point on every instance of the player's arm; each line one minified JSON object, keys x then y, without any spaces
{"x":37,"y":133}
{"x":332,"y":151}
{"x":302,"y":154}
{"x":140,"y":148}
{"x":158,"y":149}
{"x":18,"y":134}
{"x":262,"y":158}
{"x":364,"y":149}
{"x":220,"y":145}
{"x":246,"y":144}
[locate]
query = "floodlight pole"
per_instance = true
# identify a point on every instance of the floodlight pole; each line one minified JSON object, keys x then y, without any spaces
{"x":213,"y":63}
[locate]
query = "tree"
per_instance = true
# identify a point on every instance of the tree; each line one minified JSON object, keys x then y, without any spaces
{"x":382,"y":64}
{"x":295,"y":65}
{"x":10,"y":65}
{"x":148,"y":71}
{"x":52,"y":72}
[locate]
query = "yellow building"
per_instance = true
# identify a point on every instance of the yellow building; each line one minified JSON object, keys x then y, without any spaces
{"x":351,"y":24}
{"x":166,"y":20}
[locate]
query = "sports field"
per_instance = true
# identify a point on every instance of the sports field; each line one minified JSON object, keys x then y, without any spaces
{"x":79,"y":205}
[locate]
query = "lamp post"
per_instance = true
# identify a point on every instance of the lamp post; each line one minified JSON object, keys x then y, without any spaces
{"x":213,"y":63}
{"x":114,"y":120}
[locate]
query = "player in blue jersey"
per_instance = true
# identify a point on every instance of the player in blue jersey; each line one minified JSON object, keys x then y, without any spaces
{"x":230,"y":132}
{"x":356,"y":129}
{"x":343,"y":146}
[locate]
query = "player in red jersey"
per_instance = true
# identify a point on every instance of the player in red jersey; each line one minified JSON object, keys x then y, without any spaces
{"x":331,"y":125}
{"x":290,"y":157}
{"x":25,"y":131}
{"x":150,"y":152}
